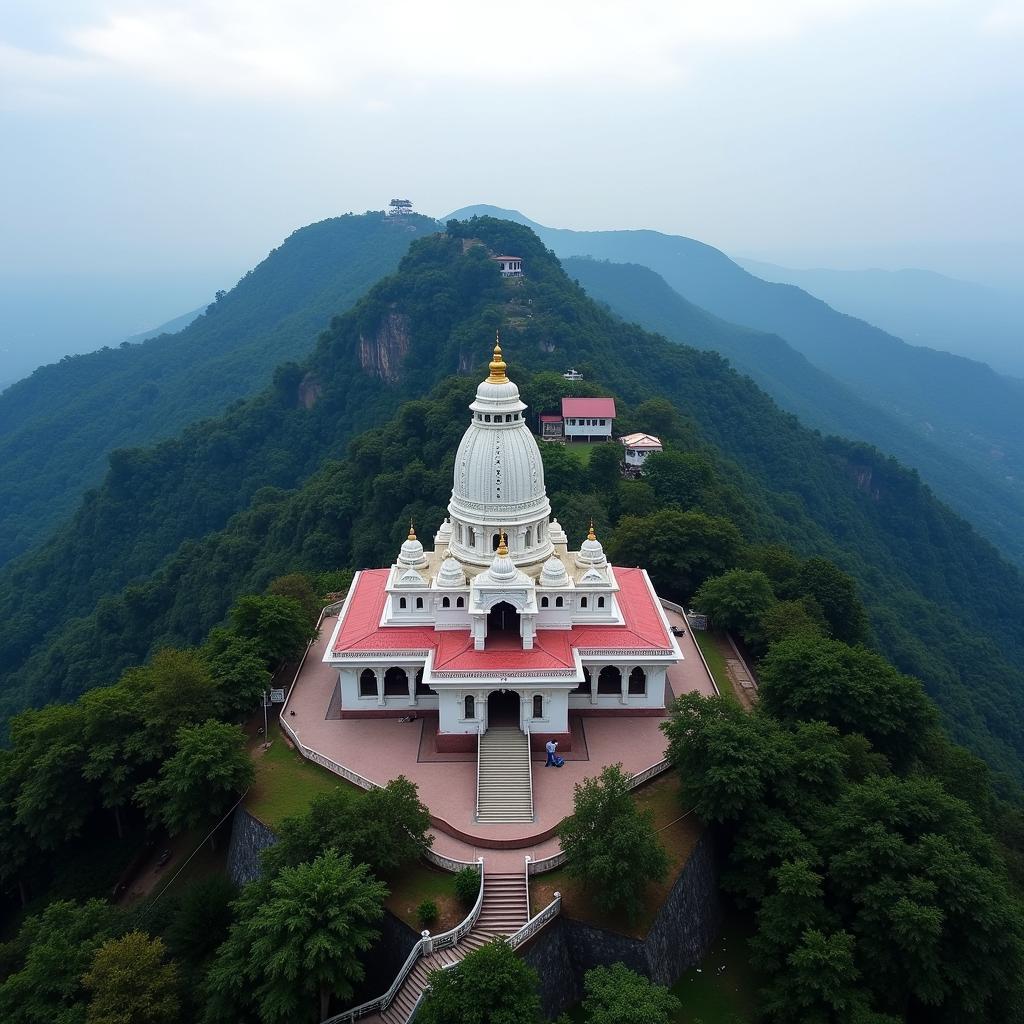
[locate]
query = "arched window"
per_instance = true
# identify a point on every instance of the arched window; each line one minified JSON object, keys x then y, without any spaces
{"x":402,"y":603}
{"x":600,"y":602}
{"x":367,"y":683}
{"x":472,"y":536}
{"x":470,"y":707}
{"x":538,"y":706}
{"x":446,"y":602}
{"x":495,"y":541}
{"x":638,"y":681}
{"x":460,"y":602}
{"x":544,"y":602}
{"x":610,"y":680}
{"x":487,"y":417}
{"x":583,"y":602}
{"x":508,"y":417}
{"x":419,"y":602}
{"x":559,"y":602}
{"x":421,"y":688}
{"x":396,"y":682}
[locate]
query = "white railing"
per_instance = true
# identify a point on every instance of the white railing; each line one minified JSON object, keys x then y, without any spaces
{"x":534,"y":925}
{"x":648,"y":773}
{"x":479,"y":746}
{"x":526,"y":880}
{"x":529,"y":771}
{"x":425,"y":946}
{"x":556,"y":860}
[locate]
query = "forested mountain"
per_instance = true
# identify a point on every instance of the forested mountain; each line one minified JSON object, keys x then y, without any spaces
{"x":639,"y":294}
{"x":943,"y":605}
{"x":961,"y":405}
{"x":921,"y":307}
{"x":58,"y":425}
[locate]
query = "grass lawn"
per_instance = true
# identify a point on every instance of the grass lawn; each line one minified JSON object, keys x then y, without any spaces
{"x":285,"y":782}
{"x":422,"y":882}
{"x":677,"y":833}
{"x":713,"y":645}
{"x":582,"y":449}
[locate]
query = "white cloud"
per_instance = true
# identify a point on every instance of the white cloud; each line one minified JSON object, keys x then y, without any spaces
{"x":312,"y":48}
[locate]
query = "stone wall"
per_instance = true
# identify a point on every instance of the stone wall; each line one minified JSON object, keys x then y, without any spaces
{"x":679,"y":938}
{"x":249,"y":838}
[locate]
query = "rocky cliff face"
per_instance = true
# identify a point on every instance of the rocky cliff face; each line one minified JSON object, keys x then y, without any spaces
{"x":384,"y":352}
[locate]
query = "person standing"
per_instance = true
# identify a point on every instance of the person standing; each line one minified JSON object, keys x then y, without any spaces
{"x":551,"y":746}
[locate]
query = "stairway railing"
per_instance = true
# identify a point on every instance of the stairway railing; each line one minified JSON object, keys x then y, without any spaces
{"x":534,"y":925}
{"x":425,"y":946}
{"x":529,"y":770}
{"x":479,"y":754}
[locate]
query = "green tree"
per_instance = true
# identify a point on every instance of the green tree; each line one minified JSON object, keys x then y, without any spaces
{"x":491,"y":985}
{"x":856,"y":690}
{"x":678,"y":477}
{"x":239,"y":671}
{"x":201,"y":921}
{"x":131,"y":982}
{"x":792,"y":618}
{"x":679,"y":549}
{"x":386,"y":828}
{"x":279,"y":624}
{"x":617,"y":995}
{"x":738,"y":601}
{"x":605,"y":831}
{"x":562,"y":470}
{"x":836,"y":594}
{"x":302,"y":588}
{"x":604,"y":470}
{"x":208,"y":770}
{"x":297,"y":941}
{"x":58,"y":946}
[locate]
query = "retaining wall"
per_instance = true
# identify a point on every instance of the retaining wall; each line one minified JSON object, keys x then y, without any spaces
{"x":680,"y":937}
{"x":249,"y":838}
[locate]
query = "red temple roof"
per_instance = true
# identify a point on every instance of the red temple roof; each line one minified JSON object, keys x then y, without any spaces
{"x":360,"y":631}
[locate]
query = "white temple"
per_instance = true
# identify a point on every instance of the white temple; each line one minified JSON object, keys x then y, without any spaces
{"x":501,"y":622}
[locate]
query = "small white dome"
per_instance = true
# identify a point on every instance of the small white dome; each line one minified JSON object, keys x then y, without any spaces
{"x":556,"y":533}
{"x":502,"y":570}
{"x":591,"y":553}
{"x":412,"y":552}
{"x":553,"y":574}
{"x":451,"y":574}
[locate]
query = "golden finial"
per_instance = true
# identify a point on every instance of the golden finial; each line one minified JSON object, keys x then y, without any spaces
{"x":591,"y":535}
{"x":497,"y":365}
{"x":412,"y":531}
{"x":502,"y":546}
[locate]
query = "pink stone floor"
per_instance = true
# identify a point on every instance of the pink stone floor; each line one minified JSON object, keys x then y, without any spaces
{"x":381,"y":749}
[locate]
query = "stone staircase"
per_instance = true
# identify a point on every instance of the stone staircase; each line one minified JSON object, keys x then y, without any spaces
{"x":504,"y":784}
{"x":503,"y":912}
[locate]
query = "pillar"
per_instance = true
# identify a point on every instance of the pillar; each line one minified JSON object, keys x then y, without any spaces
{"x":378,"y":674}
{"x":623,"y":684}
{"x":410,"y":675}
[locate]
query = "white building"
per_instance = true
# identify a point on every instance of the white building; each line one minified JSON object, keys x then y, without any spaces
{"x":588,"y":419}
{"x":638,"y":448}
{"x":501,"y":622}
{"x":510,"y":266}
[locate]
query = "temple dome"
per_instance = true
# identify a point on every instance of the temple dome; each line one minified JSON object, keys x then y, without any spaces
{"x":591,"y":553}
{"x":553,"y":574}
{"x":412,"y":554}
{"x":451,"y":573}
{"x":502,"y":569}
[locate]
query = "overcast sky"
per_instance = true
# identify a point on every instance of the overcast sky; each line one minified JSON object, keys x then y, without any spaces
{"x":189,"y":138}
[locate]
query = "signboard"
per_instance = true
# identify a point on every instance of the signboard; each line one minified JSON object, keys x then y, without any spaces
{"x":697,"y":621}
{"x":277,"y":696}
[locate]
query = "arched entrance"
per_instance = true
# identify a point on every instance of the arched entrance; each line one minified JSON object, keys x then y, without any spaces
{"x":503,"y":709}
{"x":503,"y":618}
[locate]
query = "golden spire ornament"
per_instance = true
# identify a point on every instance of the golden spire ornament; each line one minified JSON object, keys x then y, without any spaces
{"x":591,"y":535}
{"x":497,"y":364}
{"x":502,"y":546}
{"x":412,"y":531}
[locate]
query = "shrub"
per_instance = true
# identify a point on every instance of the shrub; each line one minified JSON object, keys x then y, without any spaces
{"x":426,"y":913}
{"x":467,"y":886}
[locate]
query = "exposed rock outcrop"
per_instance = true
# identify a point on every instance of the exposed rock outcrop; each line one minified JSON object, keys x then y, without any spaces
{"x":384,"y":353}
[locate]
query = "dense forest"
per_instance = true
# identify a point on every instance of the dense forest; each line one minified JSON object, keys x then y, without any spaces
{"x":960,"y":405}
{"x":942,"y":604}
{"x":58,"y":426}
{"x":640,"y":295}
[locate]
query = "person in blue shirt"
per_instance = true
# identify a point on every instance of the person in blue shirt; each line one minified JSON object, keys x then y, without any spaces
{"x":551,"y":746}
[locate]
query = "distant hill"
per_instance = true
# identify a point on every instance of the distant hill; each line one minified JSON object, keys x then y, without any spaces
{"x":176,"y":531}
{"x":179,"y":323}
{"x":921,"y":307}
{"x":962,"y":406}
{"x":58,"y":426}
{"x":640,"y":295}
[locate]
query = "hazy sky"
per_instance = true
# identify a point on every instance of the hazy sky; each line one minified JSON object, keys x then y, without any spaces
{"x":189,"y":138}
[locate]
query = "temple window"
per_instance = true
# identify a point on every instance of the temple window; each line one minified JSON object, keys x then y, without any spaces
{"x":610,"y":680}
{"x":446,"y":602}
{"x":419,"y":602}
{"x":583,"y":602}
{"x":600,"y":602}
{"x":638,"y":682}
{"x":421,"y":688}
{"x":460,"y":602}
{"x":396,"y":682}
{"x":538,"y":706}
{"x":559,"y":602}
{"x":470,"y":708}
{"x":367,"y":683}
{"x":584,"y":687}
{"x":402,"y":603}
{"x":543,"y":602}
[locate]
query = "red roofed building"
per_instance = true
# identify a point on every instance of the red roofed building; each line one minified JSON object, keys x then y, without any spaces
{"x":501,"y":630}
{"x":588,"y":419}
